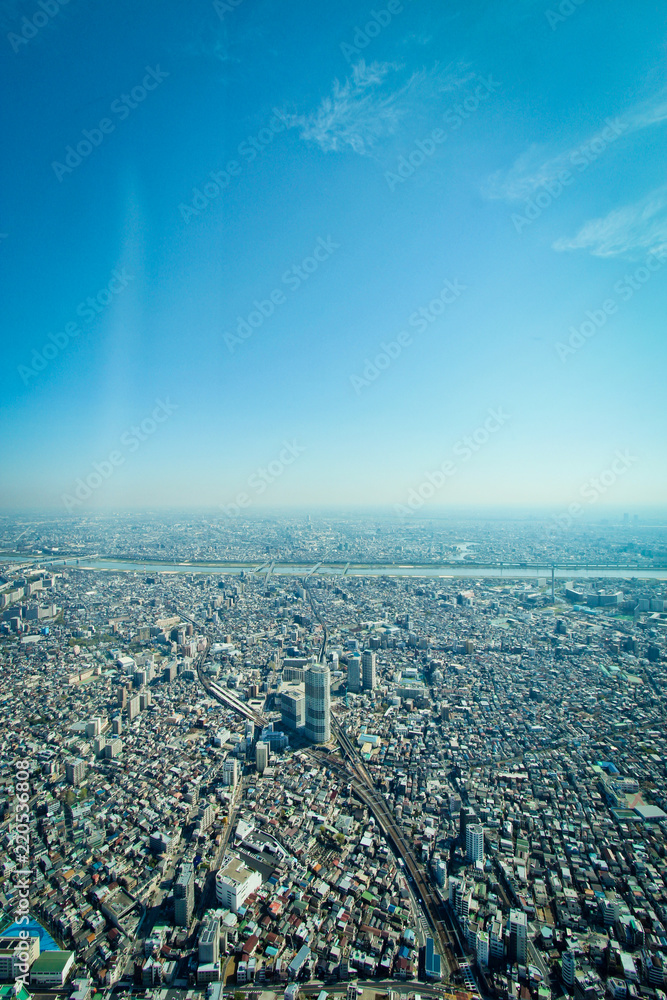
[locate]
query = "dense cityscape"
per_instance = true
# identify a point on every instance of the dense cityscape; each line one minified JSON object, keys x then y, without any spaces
{"x":243,"y":780}
{"x":333,"y":506}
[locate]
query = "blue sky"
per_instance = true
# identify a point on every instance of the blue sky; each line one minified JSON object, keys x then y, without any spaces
{"x":498,"y":166}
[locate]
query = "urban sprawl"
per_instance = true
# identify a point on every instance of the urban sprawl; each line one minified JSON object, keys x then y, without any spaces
{"x":245,"y":782}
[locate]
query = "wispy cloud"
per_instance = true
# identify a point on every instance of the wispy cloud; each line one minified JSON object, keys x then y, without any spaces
{"x":357,"y":113}
{"x":535,"y":166}
{"x":640,"y":227}
{"x":370,"y":104}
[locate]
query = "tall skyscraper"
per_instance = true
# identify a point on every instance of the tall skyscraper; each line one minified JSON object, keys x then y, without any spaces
{"x":474,"y":843}
{"x":354,"y":673}
{"x":368,"y":670}
{"x":318,"y":703}
{"x":518,"y":937}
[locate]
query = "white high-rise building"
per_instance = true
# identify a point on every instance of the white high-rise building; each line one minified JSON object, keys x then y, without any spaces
{"x":474,"y":843}
{"x":318,"y":703}
{"x":368,"y":670}
{"x":234,"y":882}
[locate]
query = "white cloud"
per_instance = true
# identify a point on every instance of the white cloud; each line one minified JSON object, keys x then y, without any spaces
{"x":355,"y":115}
{"x":535,"y":167}
{"x":365,"y":109}
{"x":640,"y":227}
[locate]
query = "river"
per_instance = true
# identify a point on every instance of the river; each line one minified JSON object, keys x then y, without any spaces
{"x":453,"y":571}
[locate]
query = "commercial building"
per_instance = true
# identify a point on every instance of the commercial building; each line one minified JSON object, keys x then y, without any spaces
{"x":51,"y":969}
{"x":234,"y":882}
{"x":369,"y":670}
{"x":293,"y":706}
{"x":230,"y":771}
{"x":15,"y":953}
{"x":261,"y":757}
{"x":354,"y":673}
{"x":209,"y":940}
{"x":432,"y":965}
{"x":318,"y":703}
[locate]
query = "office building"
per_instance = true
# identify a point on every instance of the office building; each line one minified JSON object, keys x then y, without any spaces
{"x":209,"y":940}
{"x":368,"y":672}
{"x":318,"y":703}
{"x":184,"y":895}
{"x":261,"y":757}
{"x":230,"y":771}
{"x":354,"y":673}
{"x":293,"y":707}
{"x":234,"y":882}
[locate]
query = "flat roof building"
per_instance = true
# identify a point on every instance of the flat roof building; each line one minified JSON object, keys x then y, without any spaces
{"x":234,"y":882}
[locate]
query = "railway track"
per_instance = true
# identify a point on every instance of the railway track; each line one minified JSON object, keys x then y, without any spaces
{"x":351,"y":768}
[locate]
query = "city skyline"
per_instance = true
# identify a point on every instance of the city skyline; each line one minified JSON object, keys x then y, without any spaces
{"x":260,"y":258}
